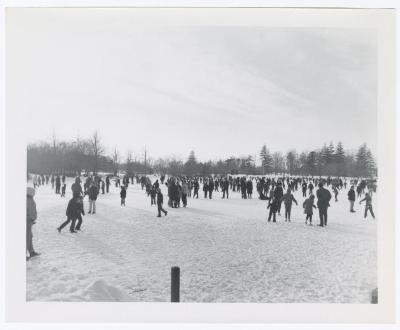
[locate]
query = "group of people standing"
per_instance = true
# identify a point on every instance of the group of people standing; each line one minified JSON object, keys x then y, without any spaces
{"x":181,"y":187}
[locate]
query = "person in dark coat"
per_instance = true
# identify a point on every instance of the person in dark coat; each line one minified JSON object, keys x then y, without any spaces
{"x":58,"y":184}
{"x":249,"y":188}
{"x":324,"y":196}
{"x":278,"y":195}
{"x":122,"y":194}
{"x":273,"y":208}
{"x":243,"y":188}
{"x":76,"y":187}
{"x":31,"y":216}
{"x":210,"y":188}
{"x":160,"y":200}
{"x":108,"y":184}
{"x":196,"y":187}
{"x":310,"y":188}
{"x":205,"y":188}
{"x":225,"y":188}
{"x":308,"y":208}
{"x":352,"y":198}
{"x":288,"y":200}
{"x":82,"y":212}
{"x":74,"y":210}
{"x":93,"y":192}
{"x":102,"y":185}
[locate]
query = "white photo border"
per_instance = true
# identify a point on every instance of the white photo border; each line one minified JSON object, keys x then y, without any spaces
{"x":18,"y":310}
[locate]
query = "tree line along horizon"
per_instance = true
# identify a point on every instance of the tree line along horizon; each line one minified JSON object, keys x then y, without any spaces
{"x":89,"y":156}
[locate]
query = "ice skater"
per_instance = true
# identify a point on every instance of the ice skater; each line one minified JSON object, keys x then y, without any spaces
{"x":153,"y":193}
{"x":122,"y":194}
{"x":278,"y":194}
{"x":308,"y":208}
{"x":273,"y":208}
{"x":63,"y":190}
{"x":82,"y":212}
{"x":368,"y":205}
{"x":324,"y":196}
{"x":160,"y":200}
{"x":336,"y":192}
{"x":196,"y":187}
{"x":288,"y":199}
{"x":74,"y":210}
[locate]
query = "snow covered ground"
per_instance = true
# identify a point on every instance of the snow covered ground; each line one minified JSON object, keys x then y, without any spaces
{"x":226,"y":250}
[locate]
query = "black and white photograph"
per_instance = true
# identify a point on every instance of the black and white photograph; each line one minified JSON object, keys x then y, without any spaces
{"x":177,"y":161}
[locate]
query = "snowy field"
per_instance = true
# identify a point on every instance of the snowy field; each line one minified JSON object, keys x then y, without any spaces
{"x":226,"y":250}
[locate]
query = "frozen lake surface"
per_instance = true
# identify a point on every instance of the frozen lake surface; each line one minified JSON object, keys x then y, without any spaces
{"x":226,"y":250}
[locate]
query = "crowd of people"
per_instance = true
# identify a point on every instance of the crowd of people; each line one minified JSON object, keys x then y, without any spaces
{"x":275,"y":190}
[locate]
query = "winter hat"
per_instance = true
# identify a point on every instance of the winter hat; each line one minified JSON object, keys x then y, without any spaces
{"x":30,"y":191}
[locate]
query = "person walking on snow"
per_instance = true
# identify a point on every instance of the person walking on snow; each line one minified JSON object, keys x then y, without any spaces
{"x":160,"y":200}
{"x":31,"y":216}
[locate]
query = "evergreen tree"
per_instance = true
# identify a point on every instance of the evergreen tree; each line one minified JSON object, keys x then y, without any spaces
{"x":339,"y":160}
{"x":266,"y":160}
{"x":291,"y":160}
{"x":303,"y":163}
{"x":191,"y":165}
{"x":365,"y":163}
{"x":312,"y":163}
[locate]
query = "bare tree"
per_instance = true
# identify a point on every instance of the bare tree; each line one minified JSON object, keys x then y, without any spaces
{"x":97,"y":150}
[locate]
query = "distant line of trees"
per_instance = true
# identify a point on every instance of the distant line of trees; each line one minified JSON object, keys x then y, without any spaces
{"x":328,"y":160}
{"x":88,"y":156}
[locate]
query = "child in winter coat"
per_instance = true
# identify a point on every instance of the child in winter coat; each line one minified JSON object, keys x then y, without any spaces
{"x":273,"y":208}
{"x":123,"y":195}
{"x":308,"y":208}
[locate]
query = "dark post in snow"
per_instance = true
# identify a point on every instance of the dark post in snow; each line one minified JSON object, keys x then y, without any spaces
{"x":175,"y":284}
{"x":374,"y":296}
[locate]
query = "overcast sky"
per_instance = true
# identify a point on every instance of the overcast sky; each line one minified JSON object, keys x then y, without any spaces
{"x":219,"y":91}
